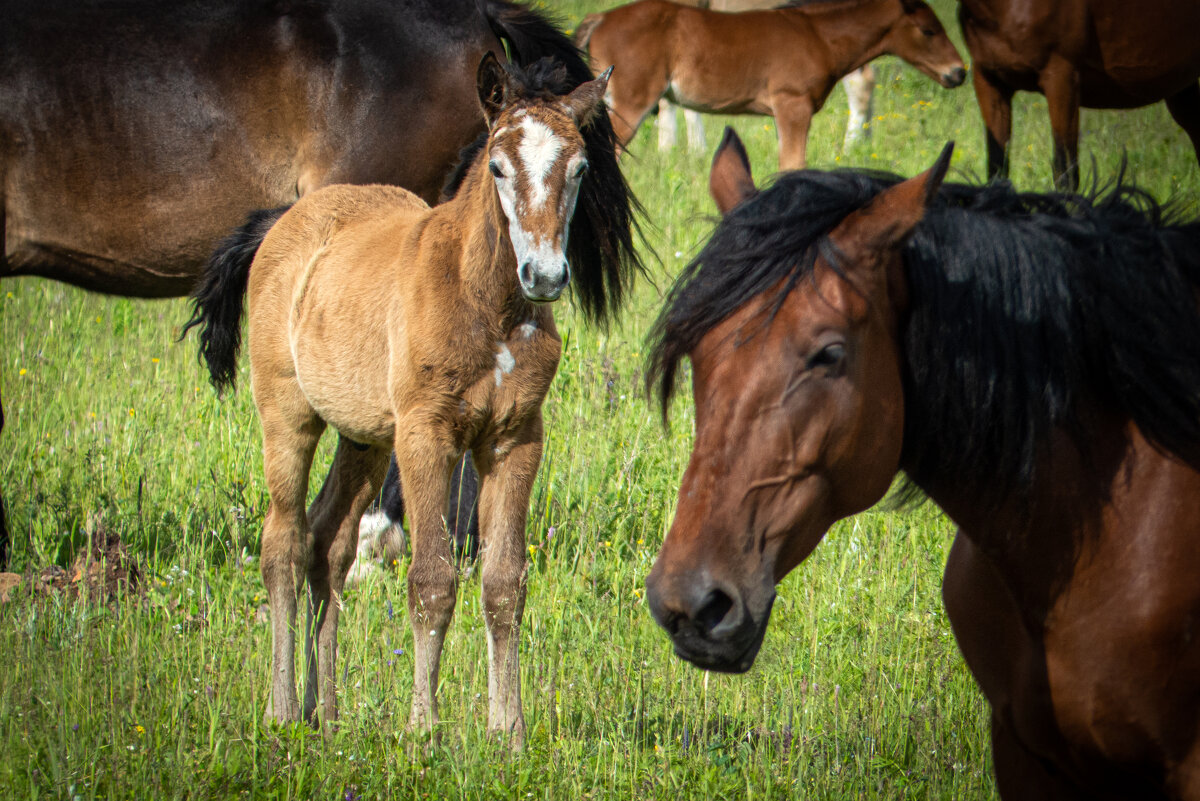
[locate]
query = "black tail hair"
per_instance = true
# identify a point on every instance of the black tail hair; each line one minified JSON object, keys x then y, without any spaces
{"x":217,"y":300}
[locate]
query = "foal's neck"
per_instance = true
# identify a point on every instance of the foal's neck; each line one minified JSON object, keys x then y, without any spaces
{"x":863,"y":23}
{"x":487,"y":268}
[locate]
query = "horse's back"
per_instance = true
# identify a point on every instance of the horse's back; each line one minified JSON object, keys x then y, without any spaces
{"x":133,"y":135}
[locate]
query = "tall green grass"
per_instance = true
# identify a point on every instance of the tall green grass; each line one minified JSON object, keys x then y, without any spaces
{"x":859,"y":691}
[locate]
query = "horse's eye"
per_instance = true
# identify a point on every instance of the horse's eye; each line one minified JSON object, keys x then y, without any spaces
{"x":495,"y":168}
{"x":929,"y":32}
{"x":829,"y":357}
{"x":581,"y":169}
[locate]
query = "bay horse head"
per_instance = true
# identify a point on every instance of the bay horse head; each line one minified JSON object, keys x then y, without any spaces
{"x":799,"y":409}
{"x":537,"y":157}
{"x":917,"y":36}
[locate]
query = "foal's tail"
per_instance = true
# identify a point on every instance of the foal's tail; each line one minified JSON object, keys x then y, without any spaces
{"x":583,"y":34}
{"x":217,"y":299}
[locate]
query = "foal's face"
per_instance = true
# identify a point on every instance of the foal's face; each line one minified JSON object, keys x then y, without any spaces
{"x":919,"y":38}
{"x":537,"y":159}
{"x":799,"y":422}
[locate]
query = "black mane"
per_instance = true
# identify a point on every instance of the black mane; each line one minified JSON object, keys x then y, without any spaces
{"x":600,"y":246}
{"x":1027,"y":313}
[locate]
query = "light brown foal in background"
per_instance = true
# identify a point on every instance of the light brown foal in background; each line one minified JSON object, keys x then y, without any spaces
{"x":782,"y":63}
{"x":427,"y":331}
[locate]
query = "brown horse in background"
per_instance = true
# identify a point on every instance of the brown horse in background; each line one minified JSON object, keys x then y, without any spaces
{"x":135,"y":135}
{"x":859,"y":86}
{"x":1093,"y":53}
{"x":423,"y":331}
{"x":781,"y":63}
{"x":1032,"y":363}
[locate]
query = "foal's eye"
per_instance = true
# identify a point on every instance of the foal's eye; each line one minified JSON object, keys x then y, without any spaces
{"x":495,"y":168}
{"x":830,"y":357}
{"x":929,"y":32}
{"x":580,"y":170}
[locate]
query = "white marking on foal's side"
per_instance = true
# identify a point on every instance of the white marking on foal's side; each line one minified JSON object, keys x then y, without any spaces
{"x":539,"y":151}
{"x":504,"y":362}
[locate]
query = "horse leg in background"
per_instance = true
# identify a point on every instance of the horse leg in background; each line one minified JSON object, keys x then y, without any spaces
{"x":462,"y":519}
{"x":1185,"y":110}
{"x":1060,"y":83}
{"x":995,"y":105}
{"x":666,"y":124}
{"x":4,"y":538}
{"x":860,"y":92}
{"x":425,"y":460}
{"x":353,"y":481}
{"x":793,"y":115}
{"x":289,"y":441}
{"x":507,"y":475}
{"x":695,"y":129}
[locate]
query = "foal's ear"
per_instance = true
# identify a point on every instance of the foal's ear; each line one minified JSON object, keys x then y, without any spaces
{"x":587,"y":99}
{"x":730,"y":181}
{"x":889,"y":220}
{"x":491,"y":81}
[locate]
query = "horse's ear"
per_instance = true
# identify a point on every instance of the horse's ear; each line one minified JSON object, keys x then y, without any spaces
{"x":588,"y":98}
{"x":730,"y":181}
{"x":889,"y":220}
{"x":491,"y":81}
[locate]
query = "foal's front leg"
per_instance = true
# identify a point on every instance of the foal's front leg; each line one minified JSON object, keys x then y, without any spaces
{"x":425,"y":460}
{"x":507,"y":475}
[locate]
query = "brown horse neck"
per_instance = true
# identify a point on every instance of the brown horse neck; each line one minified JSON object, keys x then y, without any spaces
{"x":487,"y":266}
{"x":863,"y":23}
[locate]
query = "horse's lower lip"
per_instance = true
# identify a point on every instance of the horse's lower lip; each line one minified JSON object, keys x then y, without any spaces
{"x":725,"y":657}
{"x":542,"y":298}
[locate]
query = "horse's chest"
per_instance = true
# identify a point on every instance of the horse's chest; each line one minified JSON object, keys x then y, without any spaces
{"x":514,"y":385}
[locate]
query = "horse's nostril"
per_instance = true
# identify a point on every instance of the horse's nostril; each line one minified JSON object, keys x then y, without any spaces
{"x":525,"y":273}
{"x":712,"y":611}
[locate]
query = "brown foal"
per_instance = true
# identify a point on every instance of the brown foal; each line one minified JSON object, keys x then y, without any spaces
{"x":426,"y":331}
{"x":782,"y":62}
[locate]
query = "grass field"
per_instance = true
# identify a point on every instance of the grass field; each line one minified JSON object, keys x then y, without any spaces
{"x":859,"y":691}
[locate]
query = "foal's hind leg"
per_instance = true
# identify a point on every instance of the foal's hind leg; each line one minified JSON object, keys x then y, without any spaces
{"x":507,"y":475}
{"x":352,"y":482}
{"x":290,"y":434}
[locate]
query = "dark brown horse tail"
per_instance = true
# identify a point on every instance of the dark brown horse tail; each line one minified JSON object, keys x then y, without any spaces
{"x":587,"y":27}
{"x":217,"y":300}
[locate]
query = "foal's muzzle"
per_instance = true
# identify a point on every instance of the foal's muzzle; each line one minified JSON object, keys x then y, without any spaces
{"x":709,"y":623}
{"x":540,"y":285}
{"x":954,"y":77}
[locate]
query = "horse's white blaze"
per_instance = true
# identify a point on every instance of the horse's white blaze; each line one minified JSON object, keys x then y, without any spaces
{"x":539,"y":151}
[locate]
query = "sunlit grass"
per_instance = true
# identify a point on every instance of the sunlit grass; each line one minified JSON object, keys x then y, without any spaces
{"x":859,"y":691}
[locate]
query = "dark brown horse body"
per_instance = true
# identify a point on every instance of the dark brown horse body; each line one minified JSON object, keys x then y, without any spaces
{"x":1092,"y":53}
{"x":1032,"y":363}
{"x":783,"y":62}
{"x":135,"y":135}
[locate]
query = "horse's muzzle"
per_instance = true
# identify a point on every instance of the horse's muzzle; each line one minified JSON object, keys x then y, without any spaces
{"x":542,"y":286}
{"x":954,"y":77}
{"x":710,"y":625}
